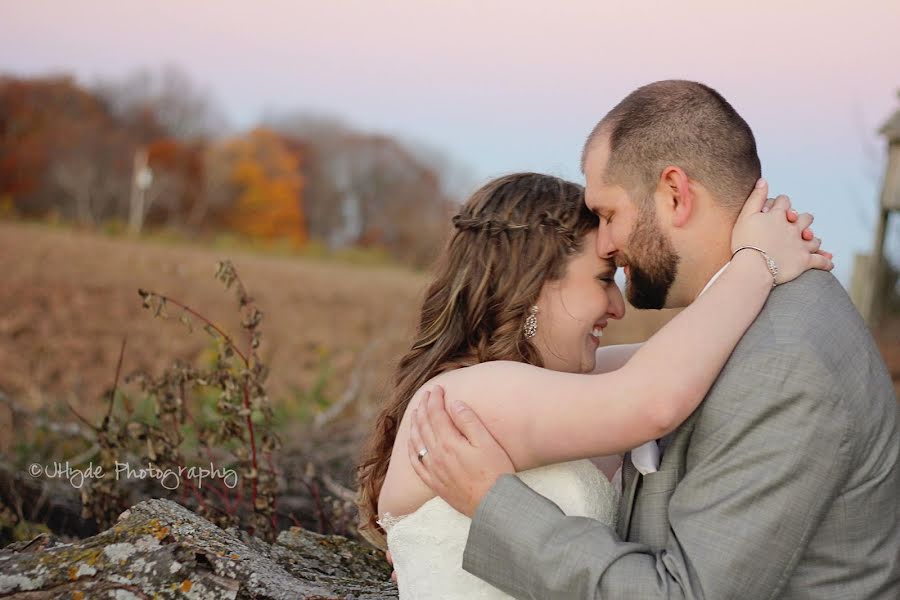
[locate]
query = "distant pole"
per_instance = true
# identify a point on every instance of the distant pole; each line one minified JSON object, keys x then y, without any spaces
{"x":142,"y":178}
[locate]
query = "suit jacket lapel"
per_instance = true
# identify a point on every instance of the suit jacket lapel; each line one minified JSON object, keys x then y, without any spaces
{"x":630,"y":478}
{"x":664,"y":443}
{"x":671,"y":449}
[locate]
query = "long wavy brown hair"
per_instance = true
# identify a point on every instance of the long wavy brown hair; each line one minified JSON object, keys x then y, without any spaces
{"x":511,"y":237}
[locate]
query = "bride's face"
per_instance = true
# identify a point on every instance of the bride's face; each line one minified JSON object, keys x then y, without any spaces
{"x":575,"y":308}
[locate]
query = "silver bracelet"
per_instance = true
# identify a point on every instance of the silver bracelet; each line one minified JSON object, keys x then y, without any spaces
{"x":770,"y":264}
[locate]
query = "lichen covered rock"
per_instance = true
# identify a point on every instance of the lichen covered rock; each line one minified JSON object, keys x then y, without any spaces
{"x":159,"y":549}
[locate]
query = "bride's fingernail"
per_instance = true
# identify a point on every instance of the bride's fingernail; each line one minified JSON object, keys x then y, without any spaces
{"x":765,"y":209}
{"x":458,"y":406}
{"x":760,"y":182}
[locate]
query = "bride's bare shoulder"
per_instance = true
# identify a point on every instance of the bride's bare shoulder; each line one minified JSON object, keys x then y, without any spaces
{"x":474,"y":375}
{"x":454,"y":378}
{"x":402,"y":491}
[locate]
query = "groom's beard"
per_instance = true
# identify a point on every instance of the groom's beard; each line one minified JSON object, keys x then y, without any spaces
{"x":652,"y":264}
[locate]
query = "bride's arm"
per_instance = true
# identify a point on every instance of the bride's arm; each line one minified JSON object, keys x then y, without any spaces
{"x":542,"y":417}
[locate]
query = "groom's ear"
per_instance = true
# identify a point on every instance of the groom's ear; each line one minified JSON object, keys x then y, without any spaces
{"x":678,"y":198}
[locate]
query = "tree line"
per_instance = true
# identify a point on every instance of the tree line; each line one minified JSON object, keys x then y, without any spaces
{"x":151,"y":150}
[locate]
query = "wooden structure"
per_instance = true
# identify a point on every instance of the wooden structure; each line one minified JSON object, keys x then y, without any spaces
{"x":868,"y":286}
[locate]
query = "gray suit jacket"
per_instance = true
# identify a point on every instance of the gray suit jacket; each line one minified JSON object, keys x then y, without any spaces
{"x":783,"y":484}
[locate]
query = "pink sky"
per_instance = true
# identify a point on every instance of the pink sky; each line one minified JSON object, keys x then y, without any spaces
{"x":503,"y":85}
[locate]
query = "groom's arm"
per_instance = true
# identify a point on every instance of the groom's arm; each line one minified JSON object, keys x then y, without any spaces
{"x":766,"y":456}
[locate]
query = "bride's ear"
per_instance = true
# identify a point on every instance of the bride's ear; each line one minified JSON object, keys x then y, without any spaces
{"x":677,"y":195}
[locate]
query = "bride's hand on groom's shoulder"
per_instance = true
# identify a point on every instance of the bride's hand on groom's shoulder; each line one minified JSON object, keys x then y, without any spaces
{"x":453,"y":452}
{"x":784,"y":234}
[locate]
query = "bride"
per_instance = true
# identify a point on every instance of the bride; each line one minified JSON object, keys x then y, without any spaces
{"x":520,"y":285}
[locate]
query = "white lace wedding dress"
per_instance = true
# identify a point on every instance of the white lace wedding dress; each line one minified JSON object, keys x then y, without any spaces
{"x":427,"y":545}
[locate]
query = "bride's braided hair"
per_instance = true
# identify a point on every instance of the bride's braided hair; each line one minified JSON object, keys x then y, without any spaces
{"x":546,"y":223}
{"x":511,"y":237}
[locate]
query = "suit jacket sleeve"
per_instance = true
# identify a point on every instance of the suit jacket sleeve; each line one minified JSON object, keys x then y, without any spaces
{"x":762,"y":468}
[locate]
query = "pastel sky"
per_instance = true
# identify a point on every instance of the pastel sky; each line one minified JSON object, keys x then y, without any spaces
{"x":503,"y":85}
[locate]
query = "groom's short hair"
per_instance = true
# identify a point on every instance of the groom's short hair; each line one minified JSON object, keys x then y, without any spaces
{"x":681,"y":123}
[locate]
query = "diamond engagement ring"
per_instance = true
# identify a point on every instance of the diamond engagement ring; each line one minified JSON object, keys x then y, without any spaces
{"x":422,"y":454}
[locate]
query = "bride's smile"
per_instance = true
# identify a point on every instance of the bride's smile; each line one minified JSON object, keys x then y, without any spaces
{"x":573,"y":309}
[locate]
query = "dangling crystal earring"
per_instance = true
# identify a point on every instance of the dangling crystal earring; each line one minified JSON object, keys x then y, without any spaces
{"x":531,"y":323}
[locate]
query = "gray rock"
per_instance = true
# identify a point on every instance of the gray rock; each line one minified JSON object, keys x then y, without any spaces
{"x":159,"y":549}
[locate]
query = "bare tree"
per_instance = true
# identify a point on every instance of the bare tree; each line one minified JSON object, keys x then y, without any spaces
{"x":167,"y":97}
{"x":87,"y":169}
{"x":373,"y":189}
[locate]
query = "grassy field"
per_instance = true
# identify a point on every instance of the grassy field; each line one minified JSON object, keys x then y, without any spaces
{"x":68,"y":298}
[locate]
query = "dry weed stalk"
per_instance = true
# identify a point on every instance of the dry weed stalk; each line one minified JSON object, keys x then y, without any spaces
{"x":232,"y":438}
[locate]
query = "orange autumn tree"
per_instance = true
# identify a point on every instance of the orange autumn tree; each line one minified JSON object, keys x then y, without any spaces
{"x":264,"y":173}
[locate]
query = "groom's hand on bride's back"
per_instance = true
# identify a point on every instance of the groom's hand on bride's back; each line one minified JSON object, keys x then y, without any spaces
{"x":463,"y":460}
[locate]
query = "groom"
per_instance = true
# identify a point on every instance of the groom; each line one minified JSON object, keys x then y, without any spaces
{"x":784,"y":483}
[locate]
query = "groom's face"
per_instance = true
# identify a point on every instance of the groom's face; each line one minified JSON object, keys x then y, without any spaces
{"x":630,"y":233}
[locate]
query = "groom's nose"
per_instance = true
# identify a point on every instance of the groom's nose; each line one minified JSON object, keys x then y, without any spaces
{"x":605,"y":246}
